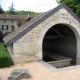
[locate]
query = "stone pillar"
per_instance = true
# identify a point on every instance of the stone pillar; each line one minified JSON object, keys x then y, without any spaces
{"x":78,"y":51}
{"x":10,"y":50}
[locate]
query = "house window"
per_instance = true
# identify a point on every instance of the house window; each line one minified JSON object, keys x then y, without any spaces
{"x":12,"y":21}
{"x":4,"y":27}
{"x":4,"y":20}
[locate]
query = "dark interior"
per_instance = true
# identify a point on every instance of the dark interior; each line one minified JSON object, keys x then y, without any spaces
{"x":1,"y":36}
{"x":61,"y":40}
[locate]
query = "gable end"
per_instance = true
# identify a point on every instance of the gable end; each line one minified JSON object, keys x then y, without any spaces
{"x":41,"y":20}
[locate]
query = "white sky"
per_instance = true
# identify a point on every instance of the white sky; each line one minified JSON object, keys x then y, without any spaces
{"x":32,"y":5}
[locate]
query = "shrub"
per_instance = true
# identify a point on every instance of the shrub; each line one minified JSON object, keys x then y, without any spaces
{"x":5,"y":60}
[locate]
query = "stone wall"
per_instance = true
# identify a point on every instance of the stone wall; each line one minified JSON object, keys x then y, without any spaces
{"x":29,"y":47}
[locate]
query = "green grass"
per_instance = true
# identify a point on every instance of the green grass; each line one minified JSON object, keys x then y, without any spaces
{"x":5,"y":60}
{"x":3,"y":51}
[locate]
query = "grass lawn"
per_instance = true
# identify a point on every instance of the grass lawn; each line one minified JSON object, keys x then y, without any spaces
{"x":3,"y":51}
{"x":5,"y":60}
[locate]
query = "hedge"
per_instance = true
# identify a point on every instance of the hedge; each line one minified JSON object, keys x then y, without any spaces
{"x":5,"y":60}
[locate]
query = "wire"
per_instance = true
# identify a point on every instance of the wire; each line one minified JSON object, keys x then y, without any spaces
{"x":41,"y":5}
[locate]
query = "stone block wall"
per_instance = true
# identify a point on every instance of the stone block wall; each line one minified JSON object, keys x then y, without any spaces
{"x":29,"y":47}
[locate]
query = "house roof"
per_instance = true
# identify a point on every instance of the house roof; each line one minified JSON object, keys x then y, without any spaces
{"x":12,"y":17}
{"x":24,"y":29}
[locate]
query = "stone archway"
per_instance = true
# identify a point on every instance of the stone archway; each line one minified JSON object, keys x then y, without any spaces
{"x":59,"y":40}
{"x":71,"y":24}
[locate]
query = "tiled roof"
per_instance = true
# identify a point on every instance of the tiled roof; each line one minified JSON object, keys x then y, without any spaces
{"x":22,"y":28}
{"x":17,"y":34}
{"x":14,"y":17}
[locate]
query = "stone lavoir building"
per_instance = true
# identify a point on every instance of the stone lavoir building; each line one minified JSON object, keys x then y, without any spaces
{"x":55,"y":31}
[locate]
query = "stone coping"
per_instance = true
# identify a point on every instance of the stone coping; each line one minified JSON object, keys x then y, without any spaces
{"x":54,"y":69}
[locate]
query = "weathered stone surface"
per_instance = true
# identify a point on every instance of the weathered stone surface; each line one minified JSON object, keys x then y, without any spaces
{"x":19,"y":74}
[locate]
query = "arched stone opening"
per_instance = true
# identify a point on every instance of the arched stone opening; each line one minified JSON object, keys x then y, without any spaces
{"x":73,"y":27}
{"x":59,"y":41}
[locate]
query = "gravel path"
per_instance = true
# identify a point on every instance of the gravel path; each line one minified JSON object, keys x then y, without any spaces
{"x":39,"y":72}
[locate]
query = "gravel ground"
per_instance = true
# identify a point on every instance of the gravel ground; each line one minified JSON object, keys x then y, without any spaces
{"x":39,"y":72}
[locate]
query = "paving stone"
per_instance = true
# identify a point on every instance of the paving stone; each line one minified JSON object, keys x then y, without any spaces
{"x":19,"y":74}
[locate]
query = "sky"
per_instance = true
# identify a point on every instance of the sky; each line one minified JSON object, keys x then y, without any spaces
{"x":29,"y":5}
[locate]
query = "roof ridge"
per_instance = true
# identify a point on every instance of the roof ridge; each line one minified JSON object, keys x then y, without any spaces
{"x":71,"y":12}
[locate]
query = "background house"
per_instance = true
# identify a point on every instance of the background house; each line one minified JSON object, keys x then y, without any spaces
{"x":9,"y":23}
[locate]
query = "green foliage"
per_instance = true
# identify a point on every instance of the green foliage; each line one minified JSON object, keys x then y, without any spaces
{"x":1,"y":10}
{"x":12,"y":11}
{"x":5,"y":60}
{"x":73,"y":4}
{"x":31,"y":13}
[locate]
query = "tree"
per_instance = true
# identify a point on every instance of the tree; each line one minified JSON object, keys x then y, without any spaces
{"x":1,"y":10}
{"x":31,"y":13}
{"x":73,"y":4}
{"x":11,"y":9}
